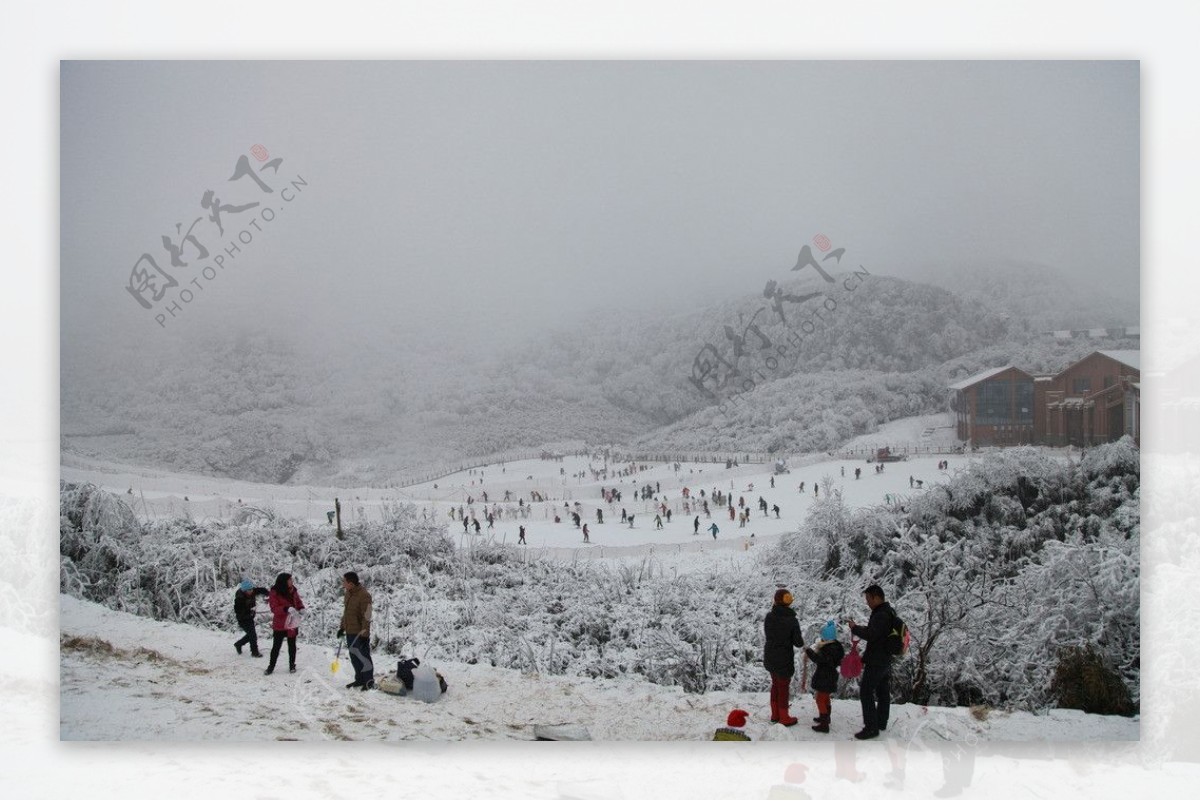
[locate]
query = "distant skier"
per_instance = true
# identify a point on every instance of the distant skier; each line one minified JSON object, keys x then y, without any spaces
{"x":585,"y":533}
{"x":775,"y":509}
{"x":631,"y":521}
{"x":475,"y":521}
{"x":713,"y":528}
{"x":658,"y":521}
{"x":624,"y":515}
{"x":772,"y":482}
{"x":696,"y":525}
{"x":857,"y":473}
{"x":599,"y":516}
{"x":521,"y":535}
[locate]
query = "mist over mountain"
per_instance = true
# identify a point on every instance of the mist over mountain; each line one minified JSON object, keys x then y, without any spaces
{"x":251,"y":406}
{"x":1037,"y":297}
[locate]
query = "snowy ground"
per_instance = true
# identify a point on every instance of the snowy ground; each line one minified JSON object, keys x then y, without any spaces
{"x":156,"y":493}
{"x":129,"y":678}
{"x":188,"y":685}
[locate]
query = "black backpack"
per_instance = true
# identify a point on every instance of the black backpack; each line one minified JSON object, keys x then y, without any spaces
{"x":404,"y":671}
{"x":898,"y":637}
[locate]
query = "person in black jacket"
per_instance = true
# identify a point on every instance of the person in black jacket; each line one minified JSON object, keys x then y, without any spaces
{"x":827,"y":655}
{"x":782,"y":631}
{"x":243,"y":609}
{"x":874,"y":687}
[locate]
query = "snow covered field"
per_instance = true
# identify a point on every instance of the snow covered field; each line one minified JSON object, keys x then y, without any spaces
{"x":176,"y":682}
{"x":157,"y":494}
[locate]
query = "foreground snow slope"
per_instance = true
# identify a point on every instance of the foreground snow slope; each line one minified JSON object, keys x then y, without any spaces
{"x":129,"y":678}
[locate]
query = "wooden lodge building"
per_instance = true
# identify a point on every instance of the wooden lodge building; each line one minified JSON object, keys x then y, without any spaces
{"x":1097,"y":399}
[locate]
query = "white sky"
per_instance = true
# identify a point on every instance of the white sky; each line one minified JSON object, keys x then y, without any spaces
{"x":497,"y":196}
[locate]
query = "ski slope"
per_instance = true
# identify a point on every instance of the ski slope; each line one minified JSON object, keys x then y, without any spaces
{"x":158,"y":494}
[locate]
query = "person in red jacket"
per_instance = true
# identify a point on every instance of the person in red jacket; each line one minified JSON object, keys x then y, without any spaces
{"x":283,"y":599}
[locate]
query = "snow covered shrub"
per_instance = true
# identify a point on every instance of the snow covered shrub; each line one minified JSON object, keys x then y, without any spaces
{"x":1120,"y":458}
{"x":1083,"y":681}
{"x":994,"y":572}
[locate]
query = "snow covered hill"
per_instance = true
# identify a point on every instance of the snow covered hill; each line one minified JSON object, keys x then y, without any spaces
{"x":670,"y":604}
{"x":129,"y":678}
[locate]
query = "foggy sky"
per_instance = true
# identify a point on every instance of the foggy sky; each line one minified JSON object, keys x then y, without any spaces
{"x":487,"y":199}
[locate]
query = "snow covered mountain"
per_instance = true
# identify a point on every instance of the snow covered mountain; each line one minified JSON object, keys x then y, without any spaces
{"x":249,"y":407}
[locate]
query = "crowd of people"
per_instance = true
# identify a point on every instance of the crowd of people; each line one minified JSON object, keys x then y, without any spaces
{"x":781,"y":625}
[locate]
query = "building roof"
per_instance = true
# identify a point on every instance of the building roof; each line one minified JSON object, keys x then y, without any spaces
{"x":986,"y":374}
{"x":1129,"y":358}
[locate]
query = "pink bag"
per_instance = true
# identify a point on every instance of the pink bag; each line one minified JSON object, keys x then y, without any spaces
{"x":852,"y":665}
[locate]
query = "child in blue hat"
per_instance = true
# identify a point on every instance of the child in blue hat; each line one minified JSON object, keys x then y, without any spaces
{"x":827,"y":655}
{"x":243,"y":609}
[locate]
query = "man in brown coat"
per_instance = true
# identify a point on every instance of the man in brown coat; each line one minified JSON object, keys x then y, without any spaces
{"x":356,"y":628}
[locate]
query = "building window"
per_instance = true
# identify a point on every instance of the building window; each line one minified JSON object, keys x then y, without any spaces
{"x":995,"y":403}
{"x":1024,"y":393}
{"x":1081,"y":386}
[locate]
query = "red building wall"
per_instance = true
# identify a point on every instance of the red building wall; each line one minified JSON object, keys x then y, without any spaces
{"x":1096,"y":384}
